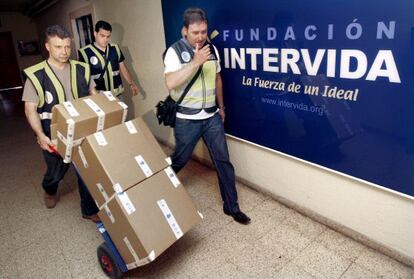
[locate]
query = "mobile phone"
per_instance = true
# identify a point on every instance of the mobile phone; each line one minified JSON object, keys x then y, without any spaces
{"x":212,"y":51}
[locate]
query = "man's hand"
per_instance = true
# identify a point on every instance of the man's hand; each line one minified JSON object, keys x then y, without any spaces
{"x":201,"y":55}
{"x":45,"y":143}
{"x":222,"y":114}
{"x":134,"y":89}
{"x":32,"y":116}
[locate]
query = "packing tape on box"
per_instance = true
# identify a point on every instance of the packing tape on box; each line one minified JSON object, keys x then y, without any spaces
{"x":109,"y":213}
{"x":137,"y":261}
{"x":83,"y":158}
{"x":99,"y":112}
{"x":109,"y":95}
{"x":173,"y":178}
{"x":125,"y":108}
{"x":117,"y":188}
{"x":170,"y":218}
{"x":126,"y":203}
{"x":201,"y":215}
{"x":131,"y":127}
{"x":100,"y":138}
{"x":102,"y":190}
{"x":143,"y":165}
{"x":70,"y":144}
{"x":71,"y":109}
{"x":71,"y":129}
{"x":168,"y":160}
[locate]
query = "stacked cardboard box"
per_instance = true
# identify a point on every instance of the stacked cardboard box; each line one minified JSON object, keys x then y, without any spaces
{"x":114,"y":160}
{"x":74,"y":120}
{"x":142,"y":203}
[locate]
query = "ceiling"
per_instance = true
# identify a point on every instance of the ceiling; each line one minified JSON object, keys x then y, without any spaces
{"x":27,"y":7}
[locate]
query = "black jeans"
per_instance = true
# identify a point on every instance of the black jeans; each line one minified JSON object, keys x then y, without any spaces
{"x":56,"y":170}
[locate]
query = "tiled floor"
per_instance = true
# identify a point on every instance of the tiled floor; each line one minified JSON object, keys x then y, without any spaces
{"x":279,"y":243}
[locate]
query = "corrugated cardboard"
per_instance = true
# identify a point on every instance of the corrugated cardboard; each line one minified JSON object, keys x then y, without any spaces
{"x":118,"y":158}
{"x":146,"y":219}
{"x":72,"y":121}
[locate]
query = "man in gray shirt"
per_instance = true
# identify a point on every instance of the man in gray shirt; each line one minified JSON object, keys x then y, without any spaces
{"x":49,"y":83}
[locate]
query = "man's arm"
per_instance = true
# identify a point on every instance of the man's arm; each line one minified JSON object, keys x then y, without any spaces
{"x":32,"y":116}
{"x":219,"y":96}
{"x":127,"y":76}
{"x":93,"y":91}
{"x":179,"y":77}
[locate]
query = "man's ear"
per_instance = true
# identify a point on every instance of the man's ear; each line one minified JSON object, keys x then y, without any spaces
{"x":47,"y":46}
{"x":184,"y":31}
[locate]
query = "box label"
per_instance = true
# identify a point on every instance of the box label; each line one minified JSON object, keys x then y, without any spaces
{"x":99,"y":112}
{"x":126,"y":203}
{"x":70,"y":109}
{"x":173,"y":178}
{"x":109,"y":95}
{"x":131,"y":127}
{"x":170,"y":218}
{"x":143,"y":165}
{"x":100,"y":138}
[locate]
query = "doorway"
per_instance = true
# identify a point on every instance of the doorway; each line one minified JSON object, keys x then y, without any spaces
{"x":81,"y":21}
{"x":10,"y":78}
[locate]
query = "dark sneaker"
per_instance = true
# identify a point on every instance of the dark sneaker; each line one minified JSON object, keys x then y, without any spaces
{"x":50,"y":200}
{"x":94,"y":218}
{"x":239,"y":217}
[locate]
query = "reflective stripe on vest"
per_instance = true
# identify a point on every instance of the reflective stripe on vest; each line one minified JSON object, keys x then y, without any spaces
{"x":58,"y":87}
{"x":110,"y":73}
{"x":73,"y":78}
{"x":202,"y":93}
{"x":56,"y":83}
{"x":101,"y":59}
{"x":36,"y":83}
{"x":45,"y":115}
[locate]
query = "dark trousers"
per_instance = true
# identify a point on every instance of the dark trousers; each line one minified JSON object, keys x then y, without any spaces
{"x":56,"y":170}
{"x":187,"y":133}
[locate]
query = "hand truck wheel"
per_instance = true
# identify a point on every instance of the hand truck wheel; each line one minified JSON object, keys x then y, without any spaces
{"x":108,"y":263}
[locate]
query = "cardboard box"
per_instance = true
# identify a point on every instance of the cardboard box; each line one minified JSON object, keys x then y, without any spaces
{"x":72,"y":121}
{"x":148,"y":218}
{"x":118,"y":158}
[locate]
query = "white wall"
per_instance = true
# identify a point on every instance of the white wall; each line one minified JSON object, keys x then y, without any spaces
{"x":383,"y":217}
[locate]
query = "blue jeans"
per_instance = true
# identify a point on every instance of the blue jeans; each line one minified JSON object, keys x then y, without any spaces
{"x":187,"y":133}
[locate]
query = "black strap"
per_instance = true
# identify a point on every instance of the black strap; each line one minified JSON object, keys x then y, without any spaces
{"x":187,"y":88}
{"x":106,"y":63}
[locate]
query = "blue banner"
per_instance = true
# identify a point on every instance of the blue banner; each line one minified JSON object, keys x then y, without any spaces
{"x":329,"y":82}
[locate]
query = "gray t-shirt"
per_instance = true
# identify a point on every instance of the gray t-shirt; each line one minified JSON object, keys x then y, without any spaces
{"x":30,"y":94}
